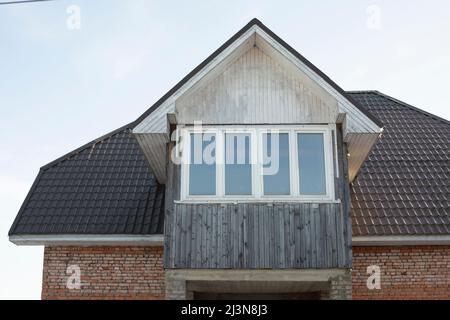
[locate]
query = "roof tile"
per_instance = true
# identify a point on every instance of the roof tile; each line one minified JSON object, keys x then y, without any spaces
{"x":406,"y":178}
{"x":97,"y":189}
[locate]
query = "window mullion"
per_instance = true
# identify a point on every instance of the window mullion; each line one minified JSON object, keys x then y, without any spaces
{"x":185,"y":163}
{"x":329,"y":163}
{"x":294,"y":163}
{"x":257,"y":178}
{"x":220,"y":163}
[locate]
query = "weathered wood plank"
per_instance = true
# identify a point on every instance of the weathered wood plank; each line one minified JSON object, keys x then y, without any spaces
{"x":257,"y":89}
{"x":258,"y":236}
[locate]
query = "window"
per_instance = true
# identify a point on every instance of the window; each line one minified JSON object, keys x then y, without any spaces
{"x":260,"y":163}
{"x":275,"y":163}
{"x":238,"y":168}
{"x":202,"y":166}
{"x":311,"y":163}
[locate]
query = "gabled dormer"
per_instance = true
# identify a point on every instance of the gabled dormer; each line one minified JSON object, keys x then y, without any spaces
{"x":257,"y":79}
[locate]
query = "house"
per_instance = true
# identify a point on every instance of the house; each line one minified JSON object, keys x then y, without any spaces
{"x":256,"y":176}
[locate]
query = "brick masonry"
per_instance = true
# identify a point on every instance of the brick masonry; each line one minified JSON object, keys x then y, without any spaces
{"x":409,"y":272}
{"x":105,"y":273}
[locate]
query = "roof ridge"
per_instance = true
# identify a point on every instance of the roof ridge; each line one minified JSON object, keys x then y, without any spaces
{"x":411,"y":107}
{"x":85,"y":146}
{"x":284,"y":44}
{"x":361,"y":91}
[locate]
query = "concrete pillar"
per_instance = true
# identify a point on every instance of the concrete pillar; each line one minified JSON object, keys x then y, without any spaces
{"x":341,"y":287}
{"x":176,"y":289}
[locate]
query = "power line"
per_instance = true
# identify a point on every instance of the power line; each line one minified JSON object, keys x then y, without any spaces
{"x":24,"y":1}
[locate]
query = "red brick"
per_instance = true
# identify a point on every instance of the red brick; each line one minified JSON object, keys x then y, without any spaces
{"x":410,"y":272}
{"x":106,"y":272}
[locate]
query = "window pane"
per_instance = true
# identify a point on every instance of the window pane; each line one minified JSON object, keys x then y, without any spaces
{"x":311,"y":163}
{"x":202,"y":167}
{"x":276,"y":164}
{"x":238,"y":168}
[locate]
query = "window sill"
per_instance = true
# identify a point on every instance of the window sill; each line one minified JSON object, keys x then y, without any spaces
{"x":261,"y":201}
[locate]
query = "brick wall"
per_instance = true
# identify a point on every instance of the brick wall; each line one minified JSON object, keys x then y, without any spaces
{"x":105,"y":273}
{"x":412,"y":272}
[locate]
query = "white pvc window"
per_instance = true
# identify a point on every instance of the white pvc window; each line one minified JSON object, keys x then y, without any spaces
{"x":202,"y":165}
{"x":311,"y":163}
{"x":275,"y":163}
{"x":238,"y":166}
{"x":257,"y":163}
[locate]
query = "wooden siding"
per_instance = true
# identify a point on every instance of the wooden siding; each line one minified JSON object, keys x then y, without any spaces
{"x":154,"y":147}
{"x":257,"y":89}
{"x":250,"y":235}
{"x":358,"y":144}
{"x":259,"y":235}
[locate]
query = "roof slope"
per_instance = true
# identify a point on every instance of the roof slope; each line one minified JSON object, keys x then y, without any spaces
{"x":104,"y":187}
{"x":404,"y":186}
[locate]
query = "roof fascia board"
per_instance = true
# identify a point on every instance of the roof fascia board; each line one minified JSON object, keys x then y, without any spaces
{"x":168,"y":105}
{"x":401,"y":240}
{"x":357,"y":115}
{"x":362,"y":121}
{"x":84,"y":240}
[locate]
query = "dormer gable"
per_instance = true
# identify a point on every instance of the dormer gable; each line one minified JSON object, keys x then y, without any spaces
{"x":256,"y":78}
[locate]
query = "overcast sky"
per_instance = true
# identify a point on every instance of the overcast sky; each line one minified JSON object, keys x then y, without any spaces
{"x":61,"y":87}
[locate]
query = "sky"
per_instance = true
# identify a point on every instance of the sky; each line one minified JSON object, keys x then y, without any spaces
{"x":71,"y":71}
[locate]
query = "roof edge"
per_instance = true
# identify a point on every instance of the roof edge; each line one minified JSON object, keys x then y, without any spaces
{"x":294,"y":52}
{"x":402,"y":103}
{"x":401,"y":240}
{"x":85,"y":146}
{"x":25,"y":201}
{"x":84,"y":240}
{"x":327,"y":79}
{"x":194,"y":71}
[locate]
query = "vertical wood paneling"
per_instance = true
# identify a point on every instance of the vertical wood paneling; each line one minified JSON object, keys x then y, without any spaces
{"x":258,"y":236}
{"x":257,"y":89}
{"x":154,"y":148}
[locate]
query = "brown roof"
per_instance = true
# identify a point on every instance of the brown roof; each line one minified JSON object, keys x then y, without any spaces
{"x":404,"y":186}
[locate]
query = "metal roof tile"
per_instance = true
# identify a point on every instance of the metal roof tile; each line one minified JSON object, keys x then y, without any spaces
{"x":406,"y":177}
{"x":94,"y":190}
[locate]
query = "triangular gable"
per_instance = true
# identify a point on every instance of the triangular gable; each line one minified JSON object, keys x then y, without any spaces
{"x":361,"y":129}
{"x":154,"y":120}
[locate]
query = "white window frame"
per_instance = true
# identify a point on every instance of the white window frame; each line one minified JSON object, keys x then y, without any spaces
{"x":256,"y":134}
{"x":260,"y":134}
{"x":329,"y":164}
{"x":253,"y":137}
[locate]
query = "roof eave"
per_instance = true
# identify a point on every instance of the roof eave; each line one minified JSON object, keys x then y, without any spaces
{"x":87,"y":240}
{"x":401,"y":240}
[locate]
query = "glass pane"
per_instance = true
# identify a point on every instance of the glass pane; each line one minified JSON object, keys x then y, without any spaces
{"x":276,"y":164}
{"x":202,"y":167}
{"x":238,"y":168}
{"x":311,"y":163}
